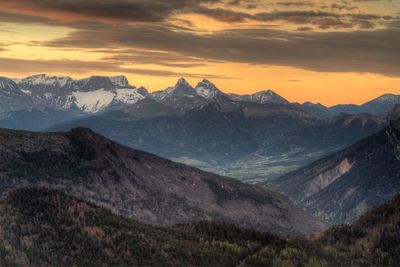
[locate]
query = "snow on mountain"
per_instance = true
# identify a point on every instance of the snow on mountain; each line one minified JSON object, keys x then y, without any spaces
{"x":181,"y":88}
{"x":120,"y":81}
{"x":262,"y":97}
{"x":7,"y":85}
{"x":129,"y":96}
{"x":43,"y":79}
{"x":207,"y":89}
{"x":89,"y":95}
{"x":93,"y":101}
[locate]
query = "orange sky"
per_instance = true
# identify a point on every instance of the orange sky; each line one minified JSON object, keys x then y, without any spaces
{"x":321,"y":51}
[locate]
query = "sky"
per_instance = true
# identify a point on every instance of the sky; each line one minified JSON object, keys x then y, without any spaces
{"x":330,"y":51}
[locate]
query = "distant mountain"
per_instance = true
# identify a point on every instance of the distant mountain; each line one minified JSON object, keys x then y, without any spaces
{"x":215,"y":132}
{"x":11,"y":97}
{"x":246,"y":140}
{"x":134,"y":183}
{"x":37,"y":119}
{"x":342,"y":186}
{"x":261,"y":97}
{"x":89,"y":95}
{"x":300,"y":146}
{"x":377,"y":106}
{"x":181,"y":88}
{"x":317,"y":109}
{"x":207,"y":89}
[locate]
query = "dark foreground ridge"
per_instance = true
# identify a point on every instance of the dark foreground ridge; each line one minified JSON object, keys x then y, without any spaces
{"x":137,"y":184}
{"x":43,"y":227}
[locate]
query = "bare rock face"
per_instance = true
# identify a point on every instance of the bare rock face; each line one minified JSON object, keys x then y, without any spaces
{"x":346,"y":184}
{"x":138,"y":184}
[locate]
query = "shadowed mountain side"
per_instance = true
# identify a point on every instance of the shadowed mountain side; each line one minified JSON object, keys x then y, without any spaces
{"x":135,"y":183}
{"x":342,"y":186}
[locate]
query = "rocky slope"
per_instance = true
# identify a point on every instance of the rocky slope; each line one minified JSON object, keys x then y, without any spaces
{"x":342,"y":186}
{"x":134,"y":183}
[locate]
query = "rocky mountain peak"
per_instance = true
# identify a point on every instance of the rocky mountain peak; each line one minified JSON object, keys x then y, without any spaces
{"x":182,"y":82}
{"x":268,"y":96}
{"x":7,"y":84}
{"x":207,"y":89}
{"x":143,"y":91}
{"x":44,"y":79}
{"x":120,"y":81}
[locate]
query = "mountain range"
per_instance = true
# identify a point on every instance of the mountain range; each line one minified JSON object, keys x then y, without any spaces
{"x":135,"y":183}
{"x":342,"y":186}
{"x":96,"y":93}
{"x":250,"y":137}
{"x":246,"y":140}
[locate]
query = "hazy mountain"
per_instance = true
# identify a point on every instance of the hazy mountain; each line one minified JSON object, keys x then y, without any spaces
{"x":342,"y":186}
{"x":36,"y":119}
{"x":377,"y":106}
{"x":216,"y":132}
{"x":11,"y":97}
{"x":303,"y":145}
{"x":317,"y":109}
{"x":134,"y":183}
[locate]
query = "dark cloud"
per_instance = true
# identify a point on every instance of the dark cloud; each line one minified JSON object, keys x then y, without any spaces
{"x":167,"y":59}
{"x":82,"y":67}
{"x":343,"y":6}
{"x":136,"y":32}
{"x":156,"y":11}
{"x":221,"y":14}
{"x":324,"y":20}
{"x":296,"y":4}
{"x":358,"y":51}
{"x":321,"y":19}
{"x":125,"y":10}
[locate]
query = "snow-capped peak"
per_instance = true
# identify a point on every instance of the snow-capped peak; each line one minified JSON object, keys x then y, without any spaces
{"x":43,"y":79}
{"x":207,"y":89}
{"x":6,"y":83}
{"x":268,"y":96}
{"x":119,"y":81}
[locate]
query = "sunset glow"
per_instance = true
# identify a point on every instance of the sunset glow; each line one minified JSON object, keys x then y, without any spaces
{"x":321,"y":51}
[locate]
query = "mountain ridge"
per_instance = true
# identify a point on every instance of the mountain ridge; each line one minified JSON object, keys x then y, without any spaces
{"x":343,"y":185}
{"x":139,"y":184}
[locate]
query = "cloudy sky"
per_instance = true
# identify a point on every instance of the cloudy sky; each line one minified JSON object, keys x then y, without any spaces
{"x":330,"y":51}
